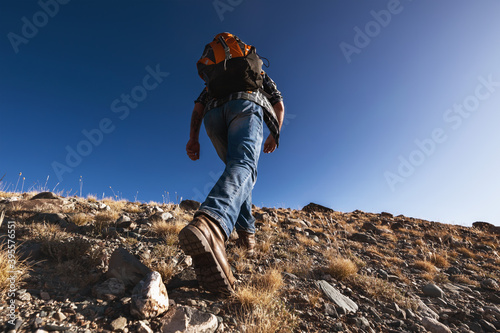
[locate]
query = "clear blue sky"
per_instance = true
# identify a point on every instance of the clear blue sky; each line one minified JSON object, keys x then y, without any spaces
{"x":391,"y":105}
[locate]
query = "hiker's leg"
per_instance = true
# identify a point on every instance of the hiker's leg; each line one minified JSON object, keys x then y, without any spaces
{"x":244,"y":121}
{"x":216,"y":127}
{"x":246,"y":221}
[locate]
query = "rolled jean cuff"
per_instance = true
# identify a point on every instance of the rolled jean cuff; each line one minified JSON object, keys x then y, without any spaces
{"x":215,"y":217}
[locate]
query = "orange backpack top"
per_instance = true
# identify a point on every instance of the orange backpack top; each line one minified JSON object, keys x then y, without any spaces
{"x":228,"y":65}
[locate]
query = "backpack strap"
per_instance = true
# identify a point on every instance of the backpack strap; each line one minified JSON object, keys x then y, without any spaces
{"x":226,"y":50}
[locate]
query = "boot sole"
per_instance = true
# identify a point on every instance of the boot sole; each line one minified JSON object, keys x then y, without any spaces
{"x":209,"y":273}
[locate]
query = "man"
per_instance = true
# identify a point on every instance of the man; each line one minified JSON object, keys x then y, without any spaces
{"x":234,"y":124}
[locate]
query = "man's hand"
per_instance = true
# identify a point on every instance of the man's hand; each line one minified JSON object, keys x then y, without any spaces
{"x":269,"y":145}
{"x":193,"y":149}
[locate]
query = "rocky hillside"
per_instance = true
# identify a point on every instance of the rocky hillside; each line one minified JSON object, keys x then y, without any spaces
{"x":87,"y":265}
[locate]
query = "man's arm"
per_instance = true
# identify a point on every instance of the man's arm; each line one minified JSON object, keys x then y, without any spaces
{"x":193,"y":145}
{"x":270,"y":144}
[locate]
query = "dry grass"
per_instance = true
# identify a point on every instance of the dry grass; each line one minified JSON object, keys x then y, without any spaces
{"x":424,"y":265}
{"x":382,"y":290}
{"x":81,"y":219}
{"x":265,"y":244}
{"x":104,"y":220}
{"x":439,"y":260}
{"x":160,"y":260}
{"x":12,"y":269}
{"x":91,"y":198}
{"x":465,"y":280}
{"x":467,"y":253}
{"x":259,"y":306}
{"x":299,"y":266}
{"x":341,"y":268}
{"x":305,"y":240}
{"x":133,"y":208}
{"x":163,"y":228}
{"x":168,"y":230}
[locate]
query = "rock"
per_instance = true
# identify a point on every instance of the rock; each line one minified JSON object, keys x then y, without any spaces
{"x":149,"y":297}
{"x":434,"y":326}
{"x":386,"y":215}
{"x":489,"y":284}
{"x":109,"y":290}
{"x":44,"y":295}
{"x":161,"y":216}
{"x":143,"y":327}
{"x":23,"y":295}
{"x":369,"y":226}
{"x":190,"y":320}
{"x":118,"y":324}
{"x":363,"y":238}
{"x":123,"y":221}
{"x":343,"y":302}
{"x":126,"y":267}
{"x":432,"y":290}
{"x":45,"y":195}
{"x":59,"y":316}
{"x":482,"y":225}
{"x":103,"y":206}
{"x":312,"y":207}
{"x":330,"y":310}
{"x":425,"y":311}
{"x":487,"y":326}
{"x":397,"y":226}
{"x":189,"y":205}
{"x":453,"y":271}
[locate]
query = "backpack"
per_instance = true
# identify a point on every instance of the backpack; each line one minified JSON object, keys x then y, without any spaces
{"x":228,"y":65}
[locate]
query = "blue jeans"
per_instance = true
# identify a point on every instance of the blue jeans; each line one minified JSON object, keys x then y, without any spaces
{"x":235,"y":130}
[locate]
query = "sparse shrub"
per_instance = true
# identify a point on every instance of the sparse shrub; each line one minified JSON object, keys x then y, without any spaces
{"x":91,"y":198}
{"x":465,"y":280}
{"x":259,"y":307}
{"x":80,"y":219}
{"x":265,"y":243}
{"x":160,"y":260}
{"x":21,"y":267}
{"x":382,"y":290}
{"x":467,"y":253}
{"x":439,"y":260}
{"x":165,"y":228}
{"x":305,"y":240}
{"x":341,"y":268}
{"x":425,"y":266}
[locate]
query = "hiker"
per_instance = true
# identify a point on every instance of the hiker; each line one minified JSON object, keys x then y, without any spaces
{"x":238,"y":99}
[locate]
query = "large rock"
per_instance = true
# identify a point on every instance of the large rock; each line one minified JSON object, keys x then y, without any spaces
{"x":149,"y":297}
{"x":189,"y":320}
{"x":363,"y":238}
{"x":434,"y":326}
{"x":432,"y":290}
{"x":343,"y":302}
{"x":109,"y":290}
{"x":45,"y":195}
{"x":126,"y":267}
{"x":426,"y":311}
{"x":118,"y":324}
{"x":189,"y":205}
{"x":312,"y":207}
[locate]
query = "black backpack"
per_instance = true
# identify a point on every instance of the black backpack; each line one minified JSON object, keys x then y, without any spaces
{"x":228,"y":65}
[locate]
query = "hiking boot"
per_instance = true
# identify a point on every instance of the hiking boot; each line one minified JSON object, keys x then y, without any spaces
{"x":247,"y":241}
{"x":203,"y":239}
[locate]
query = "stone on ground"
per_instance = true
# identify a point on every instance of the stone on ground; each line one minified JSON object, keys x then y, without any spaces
{"x":149,"y":297}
